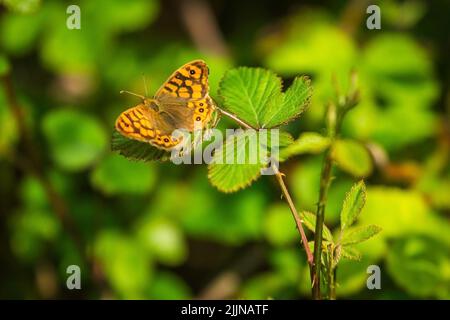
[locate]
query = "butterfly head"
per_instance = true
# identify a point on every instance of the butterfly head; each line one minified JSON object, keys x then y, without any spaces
{"x":151,"y":103}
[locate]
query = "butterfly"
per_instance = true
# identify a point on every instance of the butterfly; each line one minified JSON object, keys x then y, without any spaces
{"x":182,"y":102}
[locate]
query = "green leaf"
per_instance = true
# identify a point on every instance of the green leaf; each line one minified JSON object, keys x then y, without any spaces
{"x":359,"y":234}
{"x":254,"y":95}
{"x":116,"y":175}
{"x":352,"y":157}
{"x":309,"y":220}
{"x":238,"y":162}
{"x":294,"y":102}
{"x":350,"y":253}
{"x":284,"y":139}
{"x":136,"y":150}
{"x":308,"y":142}
{"x":76,"y":140}
{"x":248,"y":91}
{"x":353,"y":204}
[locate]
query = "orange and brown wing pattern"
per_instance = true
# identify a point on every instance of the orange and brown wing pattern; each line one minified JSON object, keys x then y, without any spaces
{"x":181,"y":103}
{"x":202,"y":110}
{"x":188,"y":82}
{"x":139,"y":123}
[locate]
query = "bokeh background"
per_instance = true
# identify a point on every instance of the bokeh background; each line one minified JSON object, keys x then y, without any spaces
{"x":161,"y":231}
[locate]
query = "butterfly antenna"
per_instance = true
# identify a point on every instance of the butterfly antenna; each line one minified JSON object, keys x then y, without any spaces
{"x":133,"y":94}
{"x":145,"y":85}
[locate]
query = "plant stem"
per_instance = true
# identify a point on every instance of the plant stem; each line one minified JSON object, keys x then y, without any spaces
{"x":331,"y":276}
{"x":320,"y":217}
{"x":298,"y":221}
{"x":235,"y":118}
{"x":332,"y":285}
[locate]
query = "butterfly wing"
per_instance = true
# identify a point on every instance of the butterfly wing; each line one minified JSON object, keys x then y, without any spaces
{"x":190,"y":82}
{"x":187,"y":87}
{"x":186,"y":114}
{"x":147,"y":125}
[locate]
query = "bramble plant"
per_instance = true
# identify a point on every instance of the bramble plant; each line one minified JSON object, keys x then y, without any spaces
{"x":253,"y":98}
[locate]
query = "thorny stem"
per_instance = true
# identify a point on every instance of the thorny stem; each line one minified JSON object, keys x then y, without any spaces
{"x":298,"y":221}
{"x":320,"y":217}
{"x":287,"y":196}
{"x":334,"y":117}
{"x":235,"y":118}
{"x":331,"y":275}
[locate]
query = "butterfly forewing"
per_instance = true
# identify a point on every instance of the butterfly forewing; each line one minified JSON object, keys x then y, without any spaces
{"x":189,"y":82}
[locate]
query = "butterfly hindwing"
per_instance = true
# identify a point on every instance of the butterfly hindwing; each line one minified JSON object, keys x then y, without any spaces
{"x":145,"y":124}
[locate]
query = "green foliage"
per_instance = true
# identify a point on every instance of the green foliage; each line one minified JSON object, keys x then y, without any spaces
{"x":35,"y":224}
{"x":231,"y":175}
{"x":116,"y":175}
{"x":352,"y":157}
{"x":136,"y":150}
{"x":397,"y":79}
{"x":160,"y":231}
{"x":309,"y":220}
{"x":353,"y":204}
{"x":204,"y":216}
{"x":350,"y":253}
{"x":168,"y":286}
{"x":240,"y":160}
{"x":262,"y":286}
{"x":4,"y":65}
{"x":420,"y":265}
{"x":343,"y":246}
{"x":255,"y":96}
{"x":8,"y":131}
{"x":120,"y":257}
{"x":349,"y":236}
{"x":402,"y":212}
{"x":308,"y":142}
{"x":76,"y":140}
{"x":163,"y":239}
{"x":29,"y":26}
{"x":22,"y":6}
{"x":359,"y":234}
{"x":278,"y":227}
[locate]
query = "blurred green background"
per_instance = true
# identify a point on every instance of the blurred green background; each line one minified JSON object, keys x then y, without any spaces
{"x":161,"y":231}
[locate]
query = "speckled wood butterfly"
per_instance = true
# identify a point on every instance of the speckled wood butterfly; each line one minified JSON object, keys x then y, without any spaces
{"x":180,"y":103}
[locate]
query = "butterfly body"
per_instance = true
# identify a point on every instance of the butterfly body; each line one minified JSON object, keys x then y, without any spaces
{"x":182,"y":102}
